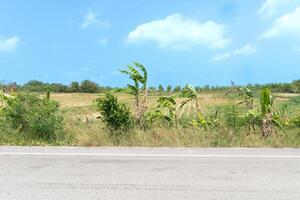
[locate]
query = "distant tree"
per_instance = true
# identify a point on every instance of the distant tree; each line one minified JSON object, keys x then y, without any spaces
{"x":74,"y":87}
{"x":161,"y":88}
{"x":296,"y":85}
{"x":177,"y":89}
{"x":35,"y":86}
{"x":152,"y":89}
{"x":88,"y":86}
{"x":57,"y":87}
{"x":206,"y":87}
{"x":198,"y":89}
{"x":169,"y":88}
{"x":287,"y":88}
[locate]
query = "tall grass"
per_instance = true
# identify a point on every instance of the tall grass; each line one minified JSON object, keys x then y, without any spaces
{"x":96,"y":135}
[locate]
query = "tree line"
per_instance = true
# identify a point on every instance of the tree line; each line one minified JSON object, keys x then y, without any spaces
{"x":88,"y":86}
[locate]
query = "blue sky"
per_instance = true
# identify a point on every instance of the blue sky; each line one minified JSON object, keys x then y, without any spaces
{"x":197,"y":42}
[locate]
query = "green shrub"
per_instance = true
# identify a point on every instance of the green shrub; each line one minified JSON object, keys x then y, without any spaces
{"x":116,"y":115}
{"x":7,"y":134}
{"x":39,"y":117}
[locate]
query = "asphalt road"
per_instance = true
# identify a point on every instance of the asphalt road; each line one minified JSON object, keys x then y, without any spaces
{"x":35,"y":173}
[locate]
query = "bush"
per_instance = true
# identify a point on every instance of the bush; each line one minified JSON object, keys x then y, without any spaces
{"x":116,"y":115}
{"x":36,"y":116}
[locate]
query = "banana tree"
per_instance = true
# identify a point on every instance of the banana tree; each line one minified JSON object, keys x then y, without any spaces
{"x":190,"y":94}
{"x":206,"y":122}
{"x":138,"y":73}
{"x":247,"y":96}
{"x":267,"y":117}
{"x":166,"y":110}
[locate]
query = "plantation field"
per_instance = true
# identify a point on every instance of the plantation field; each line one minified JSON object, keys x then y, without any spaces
{"x":84,"y":103}
{"x":224,"y":121}
{"x":81,"y":122}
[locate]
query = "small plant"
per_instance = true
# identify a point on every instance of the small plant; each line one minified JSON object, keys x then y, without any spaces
{"x":116,"y":115}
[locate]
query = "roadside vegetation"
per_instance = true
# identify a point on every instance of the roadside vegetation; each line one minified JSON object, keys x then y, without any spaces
{"x":139,"y":115}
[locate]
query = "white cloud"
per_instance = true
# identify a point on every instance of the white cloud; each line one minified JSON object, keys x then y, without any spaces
{"x":91,"y":19}
{"x":248,"y":49}
{"x":179,"y":32}
{"x":9,"y":44}
{"x":103,"y":41}
{"x":272,"y":8}
{"x":286,"y":24}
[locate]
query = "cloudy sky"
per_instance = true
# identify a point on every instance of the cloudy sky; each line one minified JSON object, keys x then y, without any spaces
{"x":197,"y":42}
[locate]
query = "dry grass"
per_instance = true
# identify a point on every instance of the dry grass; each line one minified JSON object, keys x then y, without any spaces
{"x":95,"y":134}
{"x":72,"y":100}
{"x":81,"y":105}
{"x":80,"y":117}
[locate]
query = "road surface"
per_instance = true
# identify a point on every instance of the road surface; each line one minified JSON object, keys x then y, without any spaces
{"x":72,"y":173}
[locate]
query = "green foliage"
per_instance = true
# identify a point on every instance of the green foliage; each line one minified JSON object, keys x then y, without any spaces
{"x":267,"y":118}
{"x":177,"y":89}
{"x":7,"y":133}
{"x":206,"y":122}
{"x":296,"y":85}
{"x":161,"y":88}
{"x":88,"y":86}
{"x":266,"y":101}
{"x":188,"y":92}
{"x":169,"y":88}
{"x":247,"y":96}
{"x":39,"y":117}
{"x":138,"y":74}
{"x":74,"y":87}
{"x":165,"y":112}
{"x":115,"y":115}
{"x":35,"y":86}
